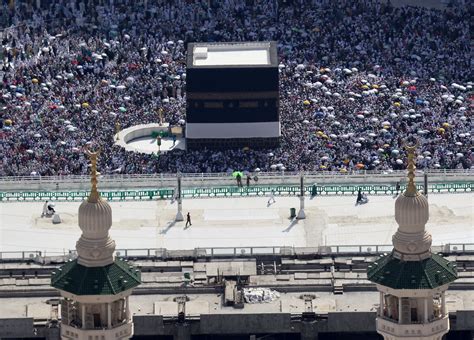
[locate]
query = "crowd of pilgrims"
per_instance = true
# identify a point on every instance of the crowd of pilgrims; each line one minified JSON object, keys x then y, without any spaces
{"x":357,"y":78}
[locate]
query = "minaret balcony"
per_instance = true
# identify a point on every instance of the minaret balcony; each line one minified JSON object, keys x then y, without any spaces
{"x":418,"y":329}
{"x":122,"y":331}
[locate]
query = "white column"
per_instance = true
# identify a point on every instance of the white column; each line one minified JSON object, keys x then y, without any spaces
{"x":425,"y":309}
{"x":443,"y":304}
{"x":301,"y":214}
{"x":381,"y":304}
{"x":109,"y":315}
{"x":83,"y":315}
{"x":399,"y":310}
{"x":179,"y":214}
{"x":127,"y":309}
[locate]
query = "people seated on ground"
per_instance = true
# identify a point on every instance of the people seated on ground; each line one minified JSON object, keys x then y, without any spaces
{"x":361,"y":198}
{"x":51,"y":208}
{"x":48,"y":209}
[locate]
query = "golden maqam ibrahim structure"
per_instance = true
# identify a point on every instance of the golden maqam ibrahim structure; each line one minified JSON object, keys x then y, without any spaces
{"x":412,"y":281}
{"x":95,"y":286}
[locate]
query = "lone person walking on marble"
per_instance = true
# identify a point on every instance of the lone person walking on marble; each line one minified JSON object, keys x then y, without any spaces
{"x":272,"y":197}
{"x":188,"y":220}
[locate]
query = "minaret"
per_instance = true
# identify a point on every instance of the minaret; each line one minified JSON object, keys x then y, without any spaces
{"x":412,"y":281}
{"x":95,"y":286}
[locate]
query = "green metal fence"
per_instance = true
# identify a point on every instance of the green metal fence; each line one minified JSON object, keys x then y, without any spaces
{"x":261,"y":190}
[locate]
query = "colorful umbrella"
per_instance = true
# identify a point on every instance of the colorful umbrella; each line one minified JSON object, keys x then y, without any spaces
{"x":237,"y":173}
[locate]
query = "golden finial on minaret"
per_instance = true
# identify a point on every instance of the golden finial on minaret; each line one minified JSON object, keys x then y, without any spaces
{"x":411,"y":188}
{"x":94,"y":196}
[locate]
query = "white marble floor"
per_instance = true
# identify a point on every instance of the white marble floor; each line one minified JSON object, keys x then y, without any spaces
{"x":236,"y":222}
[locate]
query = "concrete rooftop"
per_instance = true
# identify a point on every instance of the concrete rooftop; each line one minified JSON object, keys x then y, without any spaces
{"x":163,"y":304}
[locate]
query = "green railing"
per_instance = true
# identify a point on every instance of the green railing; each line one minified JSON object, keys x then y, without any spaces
{"x":81,"y":195}
{"x":261,"y":190}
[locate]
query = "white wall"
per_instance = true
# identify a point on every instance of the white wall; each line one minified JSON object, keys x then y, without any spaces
{"x":233,"y":130}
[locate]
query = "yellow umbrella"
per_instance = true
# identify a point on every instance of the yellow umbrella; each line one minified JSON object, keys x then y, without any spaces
{"x":343,"y":170}
{"x":397,"y":104}
{"x":322,"y":167}
{"x":8,"y":122}
{"x":324,"y":136}
{"x":320,"y":133}
{"x":85,"y":105}
{"x":446,"y":125}
{"x":375,"y":86}
{"x":441,"y":130}
{"x":386,"y":127}
{"x":386,"y":145}
{"x":34,"y":81}
{"x":365,"y":87}
{"x":306,"y":102}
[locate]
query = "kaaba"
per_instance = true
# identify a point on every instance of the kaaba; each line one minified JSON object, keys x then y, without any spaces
{"x":232,"y":95}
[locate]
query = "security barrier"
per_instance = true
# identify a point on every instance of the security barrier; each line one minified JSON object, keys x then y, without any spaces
{"x":261,"y":190}
{"x":113,"y":182}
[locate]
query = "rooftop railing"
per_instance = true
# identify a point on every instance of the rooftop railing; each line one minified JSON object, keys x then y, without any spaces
{"x":231,"y":252}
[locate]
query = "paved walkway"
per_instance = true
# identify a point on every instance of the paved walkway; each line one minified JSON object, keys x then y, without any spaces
{"x":236,"y":222}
